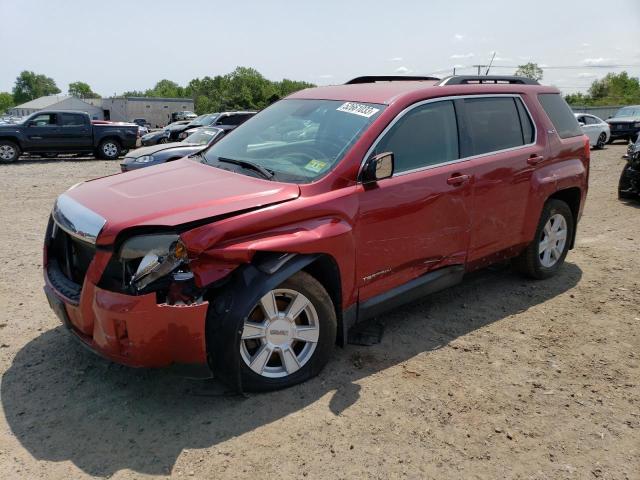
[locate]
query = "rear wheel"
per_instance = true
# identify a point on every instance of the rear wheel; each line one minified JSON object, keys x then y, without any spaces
{"x":546,"y":253}
{"x":288,"y":336}
{"x":9,"y":151}
{"x":625,"y":188}
{"x":109,"y":149}
{"x":602,"y":140}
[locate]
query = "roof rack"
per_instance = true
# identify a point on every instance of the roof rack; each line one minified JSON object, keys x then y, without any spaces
{"x":387,"y":78}
{"x":492,"y":79}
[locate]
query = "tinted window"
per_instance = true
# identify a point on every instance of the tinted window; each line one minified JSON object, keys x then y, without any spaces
{"x":528,"y":130}
{"x":560,"y":115}
{"x":232,"y":120}
{"x":590,"y":120}
{"x":427,"y":135}
{"x":494,"y":124}
{"x":44,"y":120}
{"x":71,"y":120}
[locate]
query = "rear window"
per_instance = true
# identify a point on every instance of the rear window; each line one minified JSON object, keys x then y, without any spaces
{"x":495,"y":124}
{"x":560,"y":115}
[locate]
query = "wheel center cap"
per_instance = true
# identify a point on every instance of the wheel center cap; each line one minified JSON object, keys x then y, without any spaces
{"x":279,"y":332}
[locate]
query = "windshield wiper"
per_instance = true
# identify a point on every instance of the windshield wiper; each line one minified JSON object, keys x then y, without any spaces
{"x":250,"y":165}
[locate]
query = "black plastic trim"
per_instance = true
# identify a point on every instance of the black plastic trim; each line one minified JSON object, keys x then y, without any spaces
{"x":410,"y":291}
{"x":388,"y":78}
{"x":488,"y":79}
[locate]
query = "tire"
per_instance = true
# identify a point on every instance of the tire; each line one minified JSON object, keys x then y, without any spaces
{"x":602,"y":140}
{"x":624,"y":185}
{"x":163,"y":140}
{"x":9,"y":151}
{"x":540,"y":265}
{"x":317,"y":321}
{"x":109,"y":149}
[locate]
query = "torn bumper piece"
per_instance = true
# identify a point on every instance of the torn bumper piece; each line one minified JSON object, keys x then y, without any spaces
{"x":134,"y":330}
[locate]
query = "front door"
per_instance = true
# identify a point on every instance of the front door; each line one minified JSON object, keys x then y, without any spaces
{"x":42,"y":132}
{"x":419,"y":219}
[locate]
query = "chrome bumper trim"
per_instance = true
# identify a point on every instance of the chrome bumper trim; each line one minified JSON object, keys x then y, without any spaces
{"x":76,"y":219}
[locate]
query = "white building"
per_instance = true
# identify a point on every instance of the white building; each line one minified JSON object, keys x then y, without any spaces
{"x":57,"y":102}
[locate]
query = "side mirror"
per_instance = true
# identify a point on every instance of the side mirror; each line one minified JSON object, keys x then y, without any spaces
{"x":378,"y":168}
{"x":31,"y":123}
{"x":610,"y":116}
{"x":581,"y":124}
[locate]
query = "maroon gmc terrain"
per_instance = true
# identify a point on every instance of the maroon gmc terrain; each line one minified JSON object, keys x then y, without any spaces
{"x":254,"y":258}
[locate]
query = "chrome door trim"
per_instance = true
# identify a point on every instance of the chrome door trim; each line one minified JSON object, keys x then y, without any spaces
{"x":458,"y":160}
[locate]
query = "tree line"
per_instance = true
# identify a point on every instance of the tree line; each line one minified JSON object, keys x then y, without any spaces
{"x":243,"y":89}
{"x":247,"y":89}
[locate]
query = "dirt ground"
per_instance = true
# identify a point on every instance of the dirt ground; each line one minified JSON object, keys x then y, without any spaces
{"x":499,"y":377}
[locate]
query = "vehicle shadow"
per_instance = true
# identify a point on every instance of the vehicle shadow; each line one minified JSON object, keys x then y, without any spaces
{"x":63,"y":403}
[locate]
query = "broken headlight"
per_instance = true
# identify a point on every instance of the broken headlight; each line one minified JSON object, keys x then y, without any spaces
{"x":153,"y":257}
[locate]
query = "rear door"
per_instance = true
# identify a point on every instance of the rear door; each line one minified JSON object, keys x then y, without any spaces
{"x":503,"y":151}
{"x":75,"y":131}
{"x":419,"y":219}
{"x":42,"y":132}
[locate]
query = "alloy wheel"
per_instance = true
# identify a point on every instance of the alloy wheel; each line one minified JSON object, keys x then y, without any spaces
{"x":281,"y":334}
{"x":552,"y":240}
{"x":110,"y":149}
{"x":602,"y":140}
{"x":7,"y":152}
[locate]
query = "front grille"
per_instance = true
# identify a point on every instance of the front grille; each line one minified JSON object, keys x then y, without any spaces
{"x":72,"y":256}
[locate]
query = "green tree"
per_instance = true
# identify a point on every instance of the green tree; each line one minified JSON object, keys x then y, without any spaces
{"x":82,"y":90}
{"x":166,"y":88}
{"x":30,"y":85}
{"x":612,"y":89}
{"x":530,"y":70}
{"x":6,"y":102}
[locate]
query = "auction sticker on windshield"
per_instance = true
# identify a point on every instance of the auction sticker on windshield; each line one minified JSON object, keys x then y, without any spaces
{"x":358,"y":109}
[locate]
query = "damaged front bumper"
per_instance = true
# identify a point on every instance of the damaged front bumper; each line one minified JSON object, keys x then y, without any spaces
{"x":134,"y":330}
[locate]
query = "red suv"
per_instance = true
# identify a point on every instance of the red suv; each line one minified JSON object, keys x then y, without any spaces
{"x":254,"y":258}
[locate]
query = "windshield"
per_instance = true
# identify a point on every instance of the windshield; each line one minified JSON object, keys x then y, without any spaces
{"x":207,"y":119}
{"x":298,"y":140}
{"x":203,"y":136}
{"x":628,"y":112}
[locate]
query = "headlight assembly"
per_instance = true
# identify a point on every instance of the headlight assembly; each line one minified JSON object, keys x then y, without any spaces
{"x":144,"y":159}
{"x":159,"y":256}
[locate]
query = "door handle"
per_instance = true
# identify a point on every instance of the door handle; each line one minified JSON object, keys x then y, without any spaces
{"x":535,"y":159}
{"x":458,"y":179}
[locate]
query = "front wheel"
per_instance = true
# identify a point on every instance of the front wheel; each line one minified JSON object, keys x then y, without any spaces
{"x":288,"y":336}
{"x":109,"y":149}
{"x":602,"y":140}
{"x":9,"y":151}
{"x":544,"y":256}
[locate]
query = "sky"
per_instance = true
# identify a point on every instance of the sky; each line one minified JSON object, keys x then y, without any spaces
{"x":118,"y":45}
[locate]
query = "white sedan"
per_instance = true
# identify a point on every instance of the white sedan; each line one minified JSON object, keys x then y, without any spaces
{"x":595,"y":128}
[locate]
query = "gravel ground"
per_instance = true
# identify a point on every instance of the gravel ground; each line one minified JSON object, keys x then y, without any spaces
{"x":499,"y":377}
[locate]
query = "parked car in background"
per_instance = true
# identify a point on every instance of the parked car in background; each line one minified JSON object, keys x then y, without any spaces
{"x":200,"y":139}
{"x":231,"y":119}
{"x":184,"y":115}
{"x":595,"y":128}
{"x":54,"y":132}
{"x":161,"y":136}
{"x":629,"y":184}
{"x":625,"y":124}
{"x":254,"y":259}
{"x":141,"y":122}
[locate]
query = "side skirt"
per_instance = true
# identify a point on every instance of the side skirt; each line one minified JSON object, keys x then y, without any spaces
{"x":413,"y":290}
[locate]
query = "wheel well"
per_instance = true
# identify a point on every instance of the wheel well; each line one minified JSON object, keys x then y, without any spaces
{"x":326,"y":271}
{"x":570,"y":196}
{"x":115,"y":139}
{"x":12,"y":139}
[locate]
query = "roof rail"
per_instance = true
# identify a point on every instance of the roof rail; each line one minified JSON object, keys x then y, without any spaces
{"x":387,"y":78}
{"x":492,"y":79}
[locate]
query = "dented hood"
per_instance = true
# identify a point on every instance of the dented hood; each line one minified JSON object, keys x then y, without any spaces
{"x":174,"y":193}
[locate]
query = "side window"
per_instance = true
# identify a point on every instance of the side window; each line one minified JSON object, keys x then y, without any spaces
{"x":528,"y":129}
{"x":71,"y":120}
{"x":427,"y":135}
{"x":494,"y":124}
{"x":560,"y":115}
{"x":589,"y":120}
{"x":231,"y":120}
{"x":44,"y":120}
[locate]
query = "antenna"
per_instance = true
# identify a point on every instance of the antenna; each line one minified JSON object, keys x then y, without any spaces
{"x":490,"y":63}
